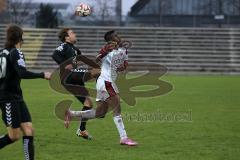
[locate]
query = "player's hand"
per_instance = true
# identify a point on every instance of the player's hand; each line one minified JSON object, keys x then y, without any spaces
{"x":111,"y":45}
{"x":125,"y":44}
{"x":47,"y":75}
{"x":69,"y":67}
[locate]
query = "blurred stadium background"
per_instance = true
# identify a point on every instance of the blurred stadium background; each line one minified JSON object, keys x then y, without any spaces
{"x":197,"y":40}
{"x":187,"y":36}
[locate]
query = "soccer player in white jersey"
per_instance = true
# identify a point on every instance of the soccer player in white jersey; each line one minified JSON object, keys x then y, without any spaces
{"x":114,"y":60}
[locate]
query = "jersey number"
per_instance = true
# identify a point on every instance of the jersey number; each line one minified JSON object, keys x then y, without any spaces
{"x":3,"y":66}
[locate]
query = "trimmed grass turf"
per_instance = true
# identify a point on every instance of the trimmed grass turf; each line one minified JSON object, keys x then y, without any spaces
{"x":213,"y":132}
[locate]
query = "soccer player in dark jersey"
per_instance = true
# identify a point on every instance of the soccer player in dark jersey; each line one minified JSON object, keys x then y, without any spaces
{"x":67,"y":52}
{"x":15,"y":113}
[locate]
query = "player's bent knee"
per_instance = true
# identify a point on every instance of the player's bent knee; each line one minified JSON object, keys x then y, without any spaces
{"x":28,"y":131}
{"x":14,"y":135}
{"x":88,"y":102}
{"x":15,"y":138}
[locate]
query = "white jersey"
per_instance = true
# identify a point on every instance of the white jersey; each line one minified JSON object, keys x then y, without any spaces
{"x":111,"y":62}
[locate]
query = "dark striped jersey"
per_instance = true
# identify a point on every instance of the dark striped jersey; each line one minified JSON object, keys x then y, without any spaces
{"x":65,"y":52}
{"x":12,"y":70}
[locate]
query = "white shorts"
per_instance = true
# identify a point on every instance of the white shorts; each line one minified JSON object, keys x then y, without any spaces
{"x":105,"y":89}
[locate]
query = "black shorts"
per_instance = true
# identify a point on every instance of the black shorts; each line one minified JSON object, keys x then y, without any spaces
{"x":76,"y":79}
{"x":14,"y":113}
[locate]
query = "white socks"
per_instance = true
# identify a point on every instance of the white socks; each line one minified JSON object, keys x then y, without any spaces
{"x":88,"y":114}
{"x":120,"y":126}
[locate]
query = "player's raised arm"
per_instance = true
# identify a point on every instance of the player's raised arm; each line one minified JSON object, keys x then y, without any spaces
{"x":102,"y":53}
{"x":112,"y":40}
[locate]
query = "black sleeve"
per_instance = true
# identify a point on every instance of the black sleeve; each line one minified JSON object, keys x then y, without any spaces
{"x":62,"y":54}
{"x":18,"y":62}
{"x":58,"y":57}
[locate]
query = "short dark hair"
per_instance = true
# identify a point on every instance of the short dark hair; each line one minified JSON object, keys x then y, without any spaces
{"x":108,"y":35}
{"x":13,"y":36}
{"x":63,"y":34}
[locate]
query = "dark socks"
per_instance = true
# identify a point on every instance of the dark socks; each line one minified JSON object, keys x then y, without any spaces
{"x":84,"y":121}
{"x":5,"y":140}
{"x":28,"y":147}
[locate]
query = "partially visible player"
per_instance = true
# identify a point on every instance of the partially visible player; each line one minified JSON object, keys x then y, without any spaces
{"x":15,"y":113}
{"x":107,"y":92}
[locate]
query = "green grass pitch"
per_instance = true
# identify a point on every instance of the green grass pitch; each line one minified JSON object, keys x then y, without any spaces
{"x":211,"y":133}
